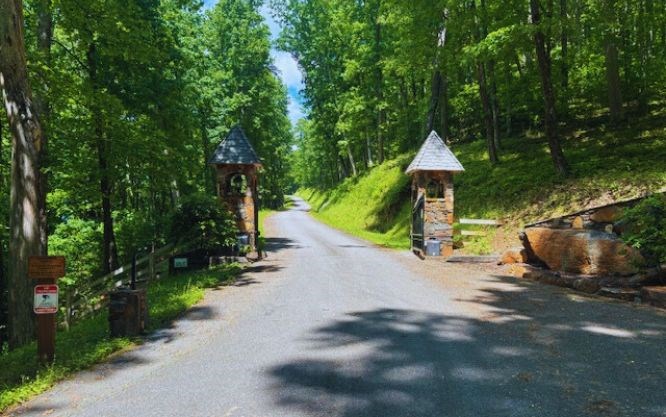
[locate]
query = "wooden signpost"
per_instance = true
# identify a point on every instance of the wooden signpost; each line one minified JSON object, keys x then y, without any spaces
{"x":46,"y":270}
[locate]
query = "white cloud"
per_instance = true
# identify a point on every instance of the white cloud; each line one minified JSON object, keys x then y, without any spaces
{"x":295,"y":111}
{"x":290,"y":74}
{"x":275,"y":28}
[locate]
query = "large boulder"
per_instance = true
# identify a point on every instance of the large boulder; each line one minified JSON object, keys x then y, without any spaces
{"x":609,"y":214}
{"x":514,"y":256}
{"x":589,"y":252}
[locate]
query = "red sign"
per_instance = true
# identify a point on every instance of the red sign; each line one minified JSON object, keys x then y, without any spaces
{"x":46,"y":299}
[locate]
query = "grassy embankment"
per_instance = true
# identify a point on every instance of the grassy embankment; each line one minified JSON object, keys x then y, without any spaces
{"x":607,"y":165}
{"x":88,"y":342}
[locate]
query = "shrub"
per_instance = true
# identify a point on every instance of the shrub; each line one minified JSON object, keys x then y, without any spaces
{"x":78,"y":240}
{"x":204,"y":222}
{"x":647,"y":228}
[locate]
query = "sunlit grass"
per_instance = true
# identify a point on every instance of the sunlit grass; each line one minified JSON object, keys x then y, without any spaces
{"x":607,"y":165}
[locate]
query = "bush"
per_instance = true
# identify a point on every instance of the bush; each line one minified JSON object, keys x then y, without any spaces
{"x":647,"y":228}
{"x":204,"y":222}
{"x":78,"y":240}
{"x":137,"y":231}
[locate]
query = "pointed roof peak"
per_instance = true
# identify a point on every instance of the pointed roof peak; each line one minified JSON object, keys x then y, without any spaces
{"x":434,"y":155}
{"x":235,"y":149}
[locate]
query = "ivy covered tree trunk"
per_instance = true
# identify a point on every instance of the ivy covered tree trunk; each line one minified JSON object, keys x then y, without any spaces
{"x":25,"y":234}
{"x":550,"y":117}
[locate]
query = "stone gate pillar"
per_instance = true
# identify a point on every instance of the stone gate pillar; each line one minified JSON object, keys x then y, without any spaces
{"x":432,"y":195}
{"x":237,"y":166}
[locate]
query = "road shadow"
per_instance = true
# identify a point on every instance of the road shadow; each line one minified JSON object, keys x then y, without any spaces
{"x":278,"y":244}
{"x":530,"y":355}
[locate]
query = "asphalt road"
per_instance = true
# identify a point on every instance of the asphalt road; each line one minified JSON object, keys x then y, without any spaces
{"x":330,"y":326}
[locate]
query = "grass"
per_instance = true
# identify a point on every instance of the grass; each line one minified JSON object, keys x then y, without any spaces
{"x":608,"y":164}
{"x":88,"y":342}
{"x":374,"y":207}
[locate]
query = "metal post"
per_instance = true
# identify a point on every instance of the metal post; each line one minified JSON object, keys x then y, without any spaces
{"x":133,"y":278}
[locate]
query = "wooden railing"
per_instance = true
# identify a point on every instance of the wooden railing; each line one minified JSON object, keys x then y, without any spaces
{"x":477,"y":222}
{"x":89,"y":297}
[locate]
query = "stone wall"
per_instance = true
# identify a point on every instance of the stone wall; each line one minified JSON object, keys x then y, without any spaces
{"x":438,"y":208}
{"x":242,"y":205}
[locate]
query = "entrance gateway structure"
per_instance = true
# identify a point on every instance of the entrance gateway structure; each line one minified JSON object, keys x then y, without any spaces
{"x":237,"y":166}
{"x":432,"y":197}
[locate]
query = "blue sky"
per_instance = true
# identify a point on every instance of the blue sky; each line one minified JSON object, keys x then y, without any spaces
{"x":288,"y":68}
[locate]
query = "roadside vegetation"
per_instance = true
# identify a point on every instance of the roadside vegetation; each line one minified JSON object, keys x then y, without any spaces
{"x":607,"y":165}
{"x":88,"y":342}
{"x":132,"y":99}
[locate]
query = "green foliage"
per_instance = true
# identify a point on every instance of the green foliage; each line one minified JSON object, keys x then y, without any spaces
{"x":88,"y":342}
{"x":374,"y":206}
{"x":518,"y":191}
{"x":204,"y":222}
{"x":139,"y":94}
{"x":78,"y":241}
{"x":370,"y":77}
{"x":646,"y":228}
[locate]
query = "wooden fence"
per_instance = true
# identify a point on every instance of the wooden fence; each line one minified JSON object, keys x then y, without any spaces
{"x":477,"y":222}
{"x":89,"y":297}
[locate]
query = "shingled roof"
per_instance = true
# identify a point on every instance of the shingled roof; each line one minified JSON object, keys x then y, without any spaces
{"x":235,"y":149}
{"x":434,"y":155}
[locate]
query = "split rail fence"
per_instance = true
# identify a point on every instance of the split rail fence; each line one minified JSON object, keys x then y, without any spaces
{"x":87,"y":298}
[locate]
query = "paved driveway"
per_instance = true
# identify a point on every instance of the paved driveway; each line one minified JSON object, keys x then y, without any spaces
{"x":330,"y":326}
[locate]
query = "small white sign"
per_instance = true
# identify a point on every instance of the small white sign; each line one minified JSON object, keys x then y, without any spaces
{"x":180,"y":262}
{"x":46,"y":299}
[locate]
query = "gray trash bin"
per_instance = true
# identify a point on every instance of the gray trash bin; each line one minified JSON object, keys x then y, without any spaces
{"x":433,"y":247}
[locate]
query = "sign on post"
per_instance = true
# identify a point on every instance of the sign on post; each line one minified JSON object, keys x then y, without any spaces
{"x":46,"y":267}
{"x":46,"y":299}
{"x":46,"y":270}
{"x":180,"y":262}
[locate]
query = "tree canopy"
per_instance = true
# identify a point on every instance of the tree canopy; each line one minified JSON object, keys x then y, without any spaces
{"x":379,"y":74}
{"x":134,"y":96}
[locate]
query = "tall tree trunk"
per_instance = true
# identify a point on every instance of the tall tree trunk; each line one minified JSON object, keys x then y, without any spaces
{"x":487,"y":113}
{"x":44,"y":43}
{"x":3,"y":277}
{"x":109,"y":249}
{"x":435,"y":94}
{"x":494,"y":103}
{"x":209,"y":171}
{"x":26,"y":131}
{"x":645,"y":41}
{"x":381,"y":113}
{"x":564,"y":45}
{"x":444,"y":110}
{"x":368,"y":147}
{"x":482,"y":78}
{"x":352,"y":163}
{"x":508,"y":110}
{"x":550,"y":117}
{"x":613,"y":79}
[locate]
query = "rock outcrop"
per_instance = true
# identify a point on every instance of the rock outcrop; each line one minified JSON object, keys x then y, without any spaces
{"x":514,"y":256}
{"x":589,"y":252}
